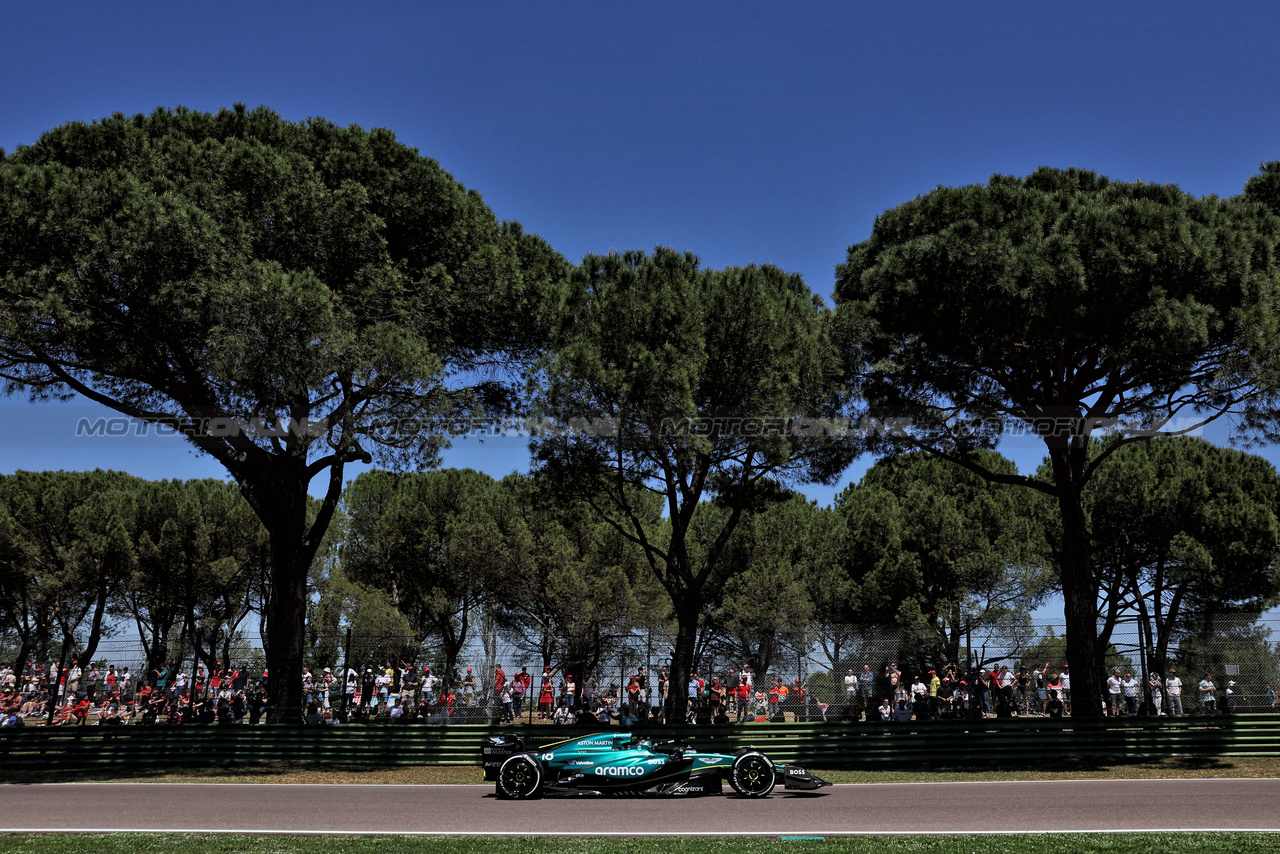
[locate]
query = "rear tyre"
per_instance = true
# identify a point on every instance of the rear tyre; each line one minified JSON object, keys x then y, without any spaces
{"x":520,"y":777}
{"x":752,"y":775}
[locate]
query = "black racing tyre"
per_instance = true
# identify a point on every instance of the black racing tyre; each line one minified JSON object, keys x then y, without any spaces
{"x":520,"y":777}
{"x":752,"y":774}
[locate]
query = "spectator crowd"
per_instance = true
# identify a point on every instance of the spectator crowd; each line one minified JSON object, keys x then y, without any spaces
{"x":407,"y":692}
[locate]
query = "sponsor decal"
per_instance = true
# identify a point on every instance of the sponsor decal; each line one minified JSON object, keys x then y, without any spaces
{"x":796,"y":772}
{"x":612,"y":771}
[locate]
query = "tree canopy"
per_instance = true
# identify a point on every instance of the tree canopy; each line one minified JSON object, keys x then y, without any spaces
{"x":1184,"y":532}
{"x":683,"y":383}
{"x":290,"y":296}
{"x":940,"y":550}
{"x":1070,"y":304}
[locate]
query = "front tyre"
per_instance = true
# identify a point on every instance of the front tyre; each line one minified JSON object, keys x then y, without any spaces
{"x":752,"y":774}
{"x":520,"y":777}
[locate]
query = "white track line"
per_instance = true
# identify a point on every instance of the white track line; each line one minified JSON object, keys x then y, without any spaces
{"x":655,"y":834}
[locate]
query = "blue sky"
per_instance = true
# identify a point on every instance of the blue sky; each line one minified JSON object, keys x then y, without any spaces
{"x":744,"y":132}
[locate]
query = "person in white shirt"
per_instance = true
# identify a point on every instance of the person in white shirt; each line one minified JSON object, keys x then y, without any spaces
{"x":1113,"y":692}
{"x":1208,"y":694}
{"x":1130,"y":688}
{"x":851,"y":686}
{"x":1173,"y":690}
{"x":429,"y":683}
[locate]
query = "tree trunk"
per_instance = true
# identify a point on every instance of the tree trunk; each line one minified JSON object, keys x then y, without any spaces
{"x":1080,"y":599}
{"x":287,"y":608}
{"x":687,"y":611}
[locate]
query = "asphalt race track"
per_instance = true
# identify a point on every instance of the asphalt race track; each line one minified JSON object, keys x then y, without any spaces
{"x":1109,"y":805}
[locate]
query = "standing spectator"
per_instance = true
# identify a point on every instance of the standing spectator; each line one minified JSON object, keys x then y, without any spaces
{"x":931,"y":709}
{"x":408,"y":683}
{"x":1065,"y":678}
{"x":1271,"y":697}
{"x":326,"y":688}
{"x":368,"y":692}
{"x":1208,"y":694}
{"x":546,"y":694}
{"x":518,"y":689}
{"x":850,"y":687}
{"x":866,"y":684}
{"x":383,"y":686}
{"x":590,"y":690}
{"x":1130,"y":688}
{"x":111,"y":680}
{"x":918,"y":692}
{"x":1114,"y":692}
{"x":742,"y":698}
{"x":499,"y":682}
{"x":894,"y":675}
{"x":430,"y":682}
{"x":73,"y":682}
{"x":1040,"y":678}
{"x":469,"y":688}
{"x":1157,"y":692}
{"x":1023,"y":685}
{"x":215,"y":680}
{"x":664,"y":687}
{"x":351,"y":681}
{"x":508,"y":711}
{"x":91,"y":682}
{"x":571,"y":689}
{"x":1173,"y":690}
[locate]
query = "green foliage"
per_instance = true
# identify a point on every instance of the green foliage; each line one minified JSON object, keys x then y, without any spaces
{"x":688,"y":380}
{"x":291,"y":296}
{"x":66,"y":550}
{"x":182,"y":558}
{"x":938,"y":549}
{"x":1247,"y":649}
{"x":1072,"y":303}
{"x":574,"y":586}
{"x":1184,"y":531}
{"x":774,"y":567}
{"x":434,"y":543}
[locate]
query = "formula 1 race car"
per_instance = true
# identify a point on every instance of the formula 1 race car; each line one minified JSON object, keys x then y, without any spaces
{"x":617,"y":763}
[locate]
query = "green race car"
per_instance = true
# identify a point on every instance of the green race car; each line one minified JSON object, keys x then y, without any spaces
{"x":618,"y":763}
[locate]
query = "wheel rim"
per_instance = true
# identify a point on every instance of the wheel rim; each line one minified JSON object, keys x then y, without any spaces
{"x":520,"y":778}
{"x":755,"y":775}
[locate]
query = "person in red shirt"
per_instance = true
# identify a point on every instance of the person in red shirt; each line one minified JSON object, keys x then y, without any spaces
{"x":82,"y":711}
{"x":546,"y":696}
{"x":742,"y":694}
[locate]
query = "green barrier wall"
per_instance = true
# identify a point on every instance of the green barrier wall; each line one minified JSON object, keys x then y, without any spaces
{"x":820,"y":745}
